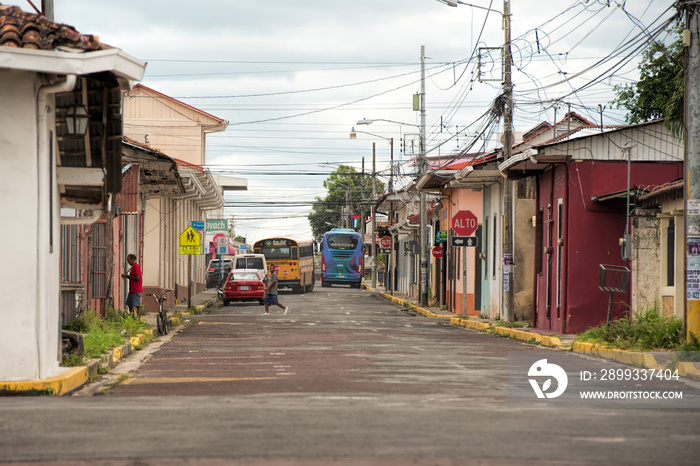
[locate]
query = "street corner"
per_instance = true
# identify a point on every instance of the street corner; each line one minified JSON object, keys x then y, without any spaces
{"x":59,"y":385}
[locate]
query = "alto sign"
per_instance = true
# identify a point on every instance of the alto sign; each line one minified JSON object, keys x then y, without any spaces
{"x":464,"y":223}
{"x":385,"y":242}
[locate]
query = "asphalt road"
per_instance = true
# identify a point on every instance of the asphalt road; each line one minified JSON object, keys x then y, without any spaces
{"x":344,"y":378}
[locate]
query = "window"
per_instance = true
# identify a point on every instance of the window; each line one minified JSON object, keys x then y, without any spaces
{"x":560,"y":245}
{"x":670,"y":251}
{"x":539,"y":240}
{"x":486,"y":247}
{"x":342,"y":242}
{"x":495,"y":240}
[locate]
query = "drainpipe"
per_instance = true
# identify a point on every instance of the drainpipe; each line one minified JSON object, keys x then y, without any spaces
{"x":44,"y":187}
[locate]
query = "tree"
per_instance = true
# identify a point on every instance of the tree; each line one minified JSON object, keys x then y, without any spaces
{"x":659,"y":93}
{"x":346,"y":187}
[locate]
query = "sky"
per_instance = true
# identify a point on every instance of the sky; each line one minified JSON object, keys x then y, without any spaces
{"x":293,"y":77}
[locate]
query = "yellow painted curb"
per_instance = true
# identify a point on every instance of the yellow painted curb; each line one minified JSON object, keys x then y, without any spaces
{"x":632,"y":358}
{"x":425,"y":312}
{"x":687,"y":369}
{"x":550,"y":341}
{"x":519,"y":334}
{"x":61,"y":384}
{"x":583,"y":347}
{"x":482,"y":326}
{"x":117,"y":350}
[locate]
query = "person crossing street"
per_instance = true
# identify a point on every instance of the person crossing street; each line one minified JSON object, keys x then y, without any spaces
{"x":271,"y":292}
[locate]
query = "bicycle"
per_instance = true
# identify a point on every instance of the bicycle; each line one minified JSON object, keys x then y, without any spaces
{"x":162,"y":316}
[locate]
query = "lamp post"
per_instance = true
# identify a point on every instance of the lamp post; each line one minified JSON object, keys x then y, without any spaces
{"x":422,"y":169}
{"x":507,"y":150}
{"x":353,"y":135}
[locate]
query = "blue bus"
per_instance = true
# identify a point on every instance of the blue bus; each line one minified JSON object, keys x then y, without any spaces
{"x":341,"y":257}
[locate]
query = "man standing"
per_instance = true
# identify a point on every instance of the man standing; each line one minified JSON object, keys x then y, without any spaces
{"x":271,"y":292}
{"x":135,"y":286}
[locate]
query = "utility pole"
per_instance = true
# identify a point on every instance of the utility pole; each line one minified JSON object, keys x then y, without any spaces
{"x":391,"y":220}
{"x":508,"y":262}
{"x":374,"y":217}
{"x":691,"y":42}
{"x":423,"y":287}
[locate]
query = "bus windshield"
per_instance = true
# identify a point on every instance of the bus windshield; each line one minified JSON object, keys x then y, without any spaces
{"x":277,"y":252}
{"x":342,"y":242}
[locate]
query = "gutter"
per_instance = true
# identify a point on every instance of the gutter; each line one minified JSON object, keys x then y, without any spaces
{"x":45,"y":191}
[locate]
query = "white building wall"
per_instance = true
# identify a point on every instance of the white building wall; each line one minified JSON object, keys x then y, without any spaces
{"x":29,"y":280}
{"x":495,"y":255}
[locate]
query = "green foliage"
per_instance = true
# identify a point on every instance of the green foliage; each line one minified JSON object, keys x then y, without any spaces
{"x":659,"y":93}
{"x":102,"y":334}
{"x":346,"y":186}
{"x":690,"y":350}
{"x":649,"y":331}
{"x":513,"y":324}
{"x":72,"y":360}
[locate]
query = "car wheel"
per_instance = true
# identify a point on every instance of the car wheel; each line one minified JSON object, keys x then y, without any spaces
{"x":226,"y":301}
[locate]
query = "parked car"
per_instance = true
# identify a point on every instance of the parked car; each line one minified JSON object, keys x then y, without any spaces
{"x":213,"y":271}
{"x":243,"y":285}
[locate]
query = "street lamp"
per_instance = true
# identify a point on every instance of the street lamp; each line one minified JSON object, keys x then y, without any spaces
{"x":353,"y":135}
{"x":422,"y":166}
{"x":507,"y":148}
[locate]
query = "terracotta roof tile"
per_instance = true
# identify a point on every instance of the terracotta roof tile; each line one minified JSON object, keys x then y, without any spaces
{"x":20,"y":29}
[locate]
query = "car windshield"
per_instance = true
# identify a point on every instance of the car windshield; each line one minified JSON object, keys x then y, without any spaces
{"x":244,"y":276}
{"x":250,"y":263}
{"x":215,"y":263}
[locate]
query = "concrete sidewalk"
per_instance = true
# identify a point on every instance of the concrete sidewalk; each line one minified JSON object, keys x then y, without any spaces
{"x":72,"y":378}
{"x":647,"y":359}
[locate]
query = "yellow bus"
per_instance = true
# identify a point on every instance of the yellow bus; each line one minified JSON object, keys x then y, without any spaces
{"x":294,"y":261}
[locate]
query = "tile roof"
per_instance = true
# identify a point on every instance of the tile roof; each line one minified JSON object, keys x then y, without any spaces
{"x":20,"y":29}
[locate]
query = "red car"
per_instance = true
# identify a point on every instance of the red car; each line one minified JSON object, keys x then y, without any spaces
{"x":243,"y":285}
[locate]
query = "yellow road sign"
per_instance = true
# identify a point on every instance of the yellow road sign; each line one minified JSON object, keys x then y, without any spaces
{"x":190,"y":242}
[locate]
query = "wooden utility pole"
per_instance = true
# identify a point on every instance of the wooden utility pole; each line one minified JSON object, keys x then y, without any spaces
{"x":691,"y":42}
{"x":508,"y":261}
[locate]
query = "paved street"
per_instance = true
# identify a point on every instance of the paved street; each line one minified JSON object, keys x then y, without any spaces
{"x":345,"y":378}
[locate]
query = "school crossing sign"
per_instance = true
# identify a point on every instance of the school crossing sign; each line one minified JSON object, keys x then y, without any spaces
{"x":190,"y":242}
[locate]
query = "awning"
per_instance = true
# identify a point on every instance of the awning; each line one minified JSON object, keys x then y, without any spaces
{"x":529,"y":163}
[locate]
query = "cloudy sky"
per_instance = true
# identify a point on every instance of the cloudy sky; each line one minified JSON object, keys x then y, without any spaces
{"x":293,"y":77}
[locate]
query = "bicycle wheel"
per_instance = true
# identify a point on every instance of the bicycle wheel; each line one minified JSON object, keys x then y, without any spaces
{"x":162,"y":323}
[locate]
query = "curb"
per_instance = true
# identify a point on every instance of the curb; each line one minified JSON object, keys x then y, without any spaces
{"x":73,"y":378}
{"x":632,"y":358}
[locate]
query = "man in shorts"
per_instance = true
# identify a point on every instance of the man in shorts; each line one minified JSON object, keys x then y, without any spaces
{"x":133,"y":300}
{"x":271,"y":292}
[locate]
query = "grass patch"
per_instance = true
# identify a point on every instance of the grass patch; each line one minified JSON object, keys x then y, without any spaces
{"x":514,"y":324}
{"x":103,"y":334}
{"x":194,"y":310}
{"x":649,"y":331}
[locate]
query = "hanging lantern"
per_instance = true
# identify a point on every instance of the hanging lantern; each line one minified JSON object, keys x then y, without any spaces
{"x":77,"y":119}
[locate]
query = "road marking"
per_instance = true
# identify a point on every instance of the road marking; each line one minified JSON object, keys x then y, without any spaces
{"x":201,"y":322}
{"x":155,"y":380}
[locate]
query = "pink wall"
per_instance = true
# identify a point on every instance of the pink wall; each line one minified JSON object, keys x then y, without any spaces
{"x":591,"y":232}
{"x":464,"y":199}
